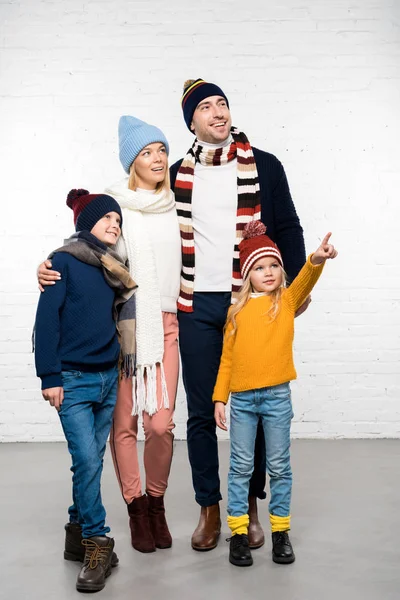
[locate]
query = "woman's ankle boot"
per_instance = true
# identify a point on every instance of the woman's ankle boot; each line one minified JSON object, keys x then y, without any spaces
{"x":141,"y":536}
{"x":158,"y":524}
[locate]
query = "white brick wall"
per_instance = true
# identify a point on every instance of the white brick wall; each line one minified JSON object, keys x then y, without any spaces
{"x":316,"y":83}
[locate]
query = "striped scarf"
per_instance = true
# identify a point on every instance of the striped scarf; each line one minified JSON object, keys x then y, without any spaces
{"x":248,"y":205}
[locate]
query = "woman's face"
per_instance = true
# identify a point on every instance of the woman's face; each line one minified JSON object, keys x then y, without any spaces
{"x":151,"y":166}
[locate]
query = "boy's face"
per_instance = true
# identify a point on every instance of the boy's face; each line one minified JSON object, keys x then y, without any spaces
{"x":108,"y":228}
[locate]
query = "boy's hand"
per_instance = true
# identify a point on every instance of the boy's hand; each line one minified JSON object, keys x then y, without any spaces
{"x":324,"y":252}
{"x":219,"y":415}
{"x":46,"y":276}
{"x":55,"y":396}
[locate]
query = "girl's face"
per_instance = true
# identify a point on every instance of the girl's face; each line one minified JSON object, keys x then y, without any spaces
{"x":108,"y":228}
{"x":151,"y":166}
{"x":266,"y":275}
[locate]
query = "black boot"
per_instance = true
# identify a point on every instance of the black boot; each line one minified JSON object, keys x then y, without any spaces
{"x":239,"y":551}
{"x":282,"y":551}
{"x":73,"y":544}
{"x":96,"y":565}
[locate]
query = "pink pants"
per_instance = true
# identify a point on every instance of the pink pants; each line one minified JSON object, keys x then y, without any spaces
{"x":157,"y":428}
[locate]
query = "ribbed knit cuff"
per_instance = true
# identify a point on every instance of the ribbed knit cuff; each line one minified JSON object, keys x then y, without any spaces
{"x":279,"y":523}
{"x":50,"y":381}
{"x":238,"y":525}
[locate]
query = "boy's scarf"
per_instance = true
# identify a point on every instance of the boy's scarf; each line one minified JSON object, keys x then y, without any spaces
{"x":88,"y":249}
{"x":142,"y":263}
{"x":248,"y":205}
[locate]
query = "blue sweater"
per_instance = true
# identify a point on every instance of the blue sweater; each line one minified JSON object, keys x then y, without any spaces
{"x":277,"y":210}
{"x":75,"y":327}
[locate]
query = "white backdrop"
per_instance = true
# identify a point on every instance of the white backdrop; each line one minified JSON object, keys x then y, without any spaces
{"x":317,"y":83}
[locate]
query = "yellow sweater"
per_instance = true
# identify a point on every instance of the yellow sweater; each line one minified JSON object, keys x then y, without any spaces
{"x":260,"y":353}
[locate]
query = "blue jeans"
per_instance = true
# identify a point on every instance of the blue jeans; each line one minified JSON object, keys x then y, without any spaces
{"x":86,"y":417}
{"x":274,"y":406}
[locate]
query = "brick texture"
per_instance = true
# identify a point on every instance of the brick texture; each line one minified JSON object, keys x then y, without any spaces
{"x":316,"y":83}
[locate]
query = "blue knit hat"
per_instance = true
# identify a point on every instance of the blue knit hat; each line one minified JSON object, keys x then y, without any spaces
{"x":194,"y":92}
{"x":134,"y":135}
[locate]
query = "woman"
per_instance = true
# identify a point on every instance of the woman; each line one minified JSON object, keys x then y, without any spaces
{"x":151,"y":243}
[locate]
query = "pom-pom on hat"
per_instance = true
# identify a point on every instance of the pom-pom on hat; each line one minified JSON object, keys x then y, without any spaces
{"x":194,"y":92}
{"x":90,"y":208}
{"x":255,"y":245}
{"x":134,"y":135}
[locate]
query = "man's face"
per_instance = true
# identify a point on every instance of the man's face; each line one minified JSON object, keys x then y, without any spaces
{"x":212,"y":120}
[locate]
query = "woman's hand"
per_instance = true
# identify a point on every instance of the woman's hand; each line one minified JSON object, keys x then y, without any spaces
{"x":46,"y":276}
{"x":324,"y":252}
{"x":219,"y":415}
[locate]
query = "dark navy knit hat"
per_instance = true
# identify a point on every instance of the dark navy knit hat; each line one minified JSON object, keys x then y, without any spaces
{"x":90,"y":208}
{"x":194,"y":92}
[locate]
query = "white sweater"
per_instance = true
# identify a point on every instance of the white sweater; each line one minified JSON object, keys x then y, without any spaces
{"x":214,"y":207}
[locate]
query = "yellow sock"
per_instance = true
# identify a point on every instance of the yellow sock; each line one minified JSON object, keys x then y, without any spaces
{"x":238,"y":525}
{"x":279,"y":523}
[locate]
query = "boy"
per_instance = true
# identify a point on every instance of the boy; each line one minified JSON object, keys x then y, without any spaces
{"x":76,"y":355}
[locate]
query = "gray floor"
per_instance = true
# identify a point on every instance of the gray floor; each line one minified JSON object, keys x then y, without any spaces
{"x":345,"y":530}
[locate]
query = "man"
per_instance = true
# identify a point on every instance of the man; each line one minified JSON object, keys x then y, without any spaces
{"x":220,"y":185}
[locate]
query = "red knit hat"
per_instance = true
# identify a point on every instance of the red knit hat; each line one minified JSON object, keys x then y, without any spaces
{"x":254,"y":245}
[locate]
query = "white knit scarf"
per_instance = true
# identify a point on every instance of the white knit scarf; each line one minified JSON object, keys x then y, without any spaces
{"x":142,"y":266}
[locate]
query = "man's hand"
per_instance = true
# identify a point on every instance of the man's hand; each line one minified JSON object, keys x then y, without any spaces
{"x":55,"y":396}
{"x":219,"y":415}
{"x":46,"y":276}
{"x":303,"y":307}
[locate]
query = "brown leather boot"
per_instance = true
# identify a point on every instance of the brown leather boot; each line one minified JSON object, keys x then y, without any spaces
{"x":207,"y":532}
{"x":74,"y":550}
{"x":158,"y":524}
{"x":141,"y":536}
{"x":255,"y":533}
{"x":96,"y":565}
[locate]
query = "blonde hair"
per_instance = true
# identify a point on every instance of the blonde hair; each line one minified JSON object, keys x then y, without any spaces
{"x":165,"y":184}
{"x":244,"y":296}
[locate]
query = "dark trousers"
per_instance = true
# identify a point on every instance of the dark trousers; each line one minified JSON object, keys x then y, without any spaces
{"x":200,"y":340}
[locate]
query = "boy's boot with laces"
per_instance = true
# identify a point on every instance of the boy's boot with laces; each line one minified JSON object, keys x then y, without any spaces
{"x":96,"y":564}
{"x":74,"y":550}
{"x":239,"y":551}
{"x":282,"y":551}
{"x":73,"y":542}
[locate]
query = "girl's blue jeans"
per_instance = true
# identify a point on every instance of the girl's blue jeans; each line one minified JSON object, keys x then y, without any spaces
{"x":86,"y":416}
{"x":274,"y":406}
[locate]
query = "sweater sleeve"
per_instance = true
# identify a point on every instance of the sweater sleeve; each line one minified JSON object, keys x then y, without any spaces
{"x":303,"y":284}
{"x":47,"y":328}
{"x":222,"y":385}
{"x":288,"y":231}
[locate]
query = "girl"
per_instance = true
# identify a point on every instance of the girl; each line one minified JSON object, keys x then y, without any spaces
{"x":256,"y":367}
{"x":151,"y":242}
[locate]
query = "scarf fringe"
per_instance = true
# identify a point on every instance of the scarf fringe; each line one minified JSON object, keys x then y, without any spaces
{"x":128,"y":365}
{"x":145,"y":398}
